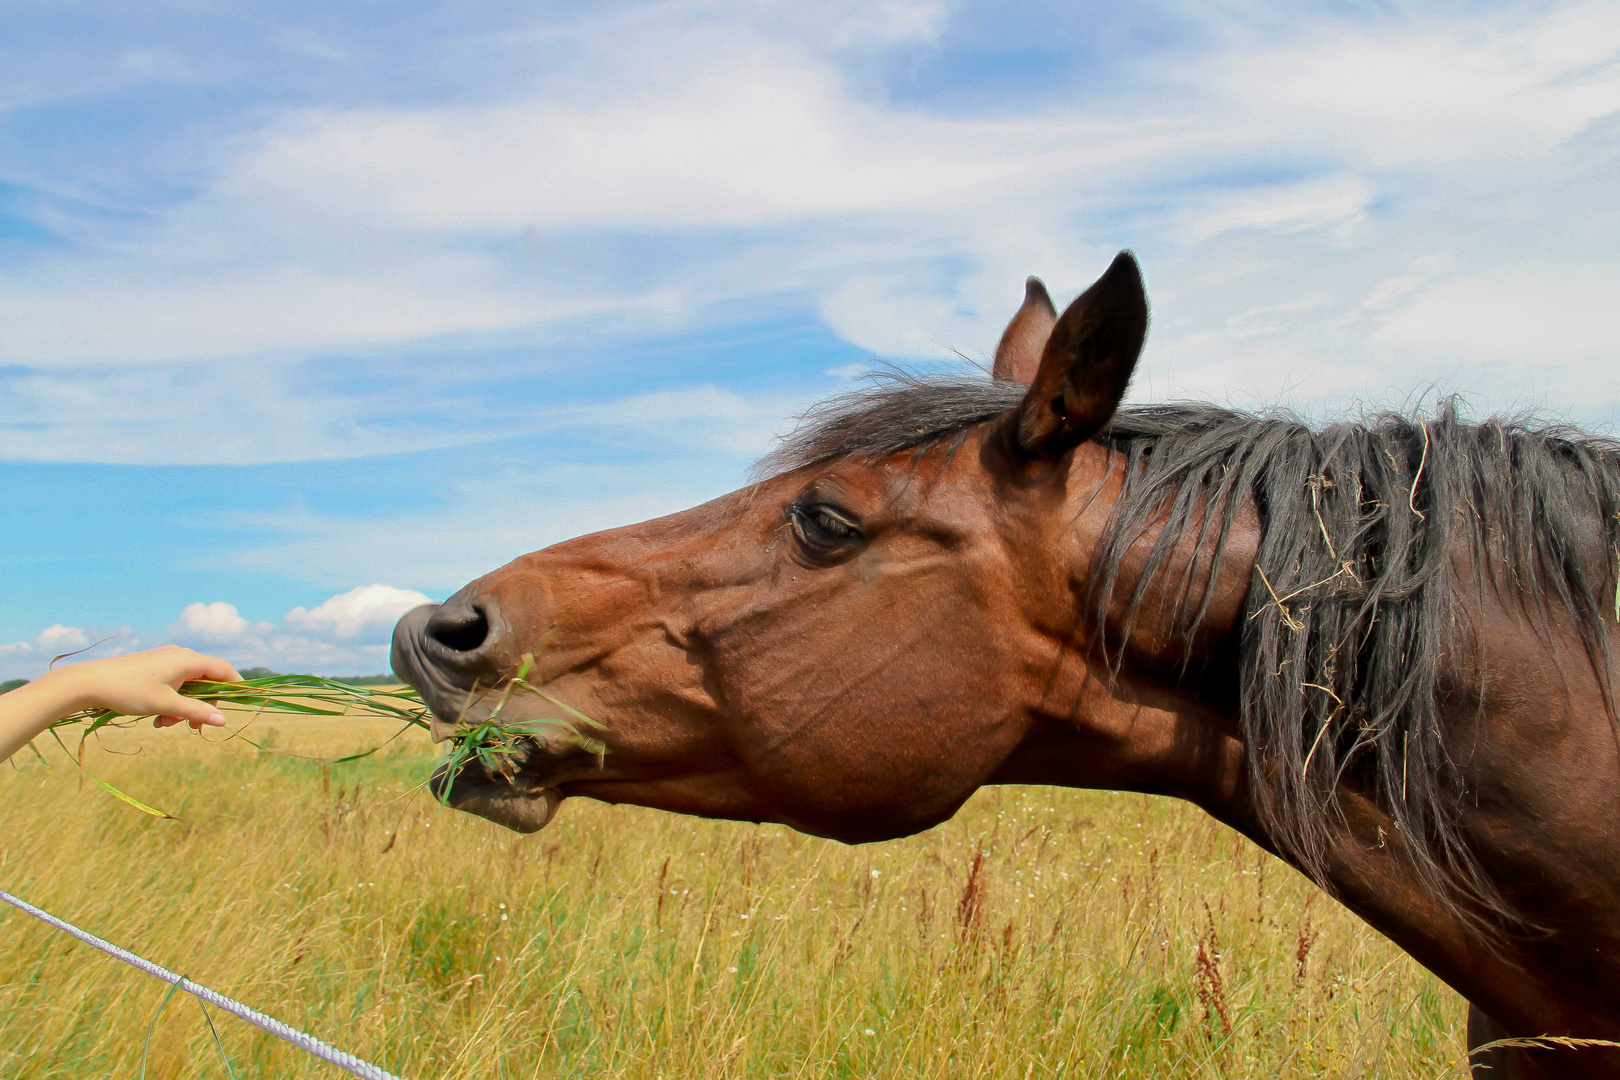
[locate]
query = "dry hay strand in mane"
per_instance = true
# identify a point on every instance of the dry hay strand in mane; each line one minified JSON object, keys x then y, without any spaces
{"x":1543,"y":1042}
{"x":1539,"y":1042}
{"x":1355,"y":603}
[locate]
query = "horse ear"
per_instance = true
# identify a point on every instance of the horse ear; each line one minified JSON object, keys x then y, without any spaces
{"x":1019,"y":353}
{"x":1086,"y":364}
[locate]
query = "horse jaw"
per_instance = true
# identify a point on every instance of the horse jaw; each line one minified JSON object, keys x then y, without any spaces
{"x":520,"y":812}
{"x":524,"y":811}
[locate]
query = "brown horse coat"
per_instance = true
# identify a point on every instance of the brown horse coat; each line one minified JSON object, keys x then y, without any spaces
{"x":1383,"y":651}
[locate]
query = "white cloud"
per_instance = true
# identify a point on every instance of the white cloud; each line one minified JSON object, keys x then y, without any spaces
{"x":1336,"y":202}
{"x":52,"y":641}
{"x":793,"y":145}
{"x":1432,"y":90}
{"x":150,"y":414}
{"x":1555,"y":315}
{"x":250,"y":267}
{"x":60,"y":639}
{"x":735,"y":142}
{"x":215,"y":623}
{"x":212,"y":414}
{"x":181,"y":312}
{"x":1391,"y":290}
{"x":366,"y":613}
{"x":346,"y":634}
{"x":28,"y":659}
{"x":865,"y":25}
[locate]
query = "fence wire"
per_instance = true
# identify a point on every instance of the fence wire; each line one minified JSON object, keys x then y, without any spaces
{"x":305,"y":1042}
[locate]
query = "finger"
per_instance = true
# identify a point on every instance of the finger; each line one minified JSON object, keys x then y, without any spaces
{"x":178,"y":707}
{"x":170,"y":721}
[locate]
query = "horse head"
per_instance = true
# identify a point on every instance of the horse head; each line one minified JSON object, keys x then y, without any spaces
{"x":851,"y":646}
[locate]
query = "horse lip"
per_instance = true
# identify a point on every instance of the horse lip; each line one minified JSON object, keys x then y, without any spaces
{"x":497,"y":798}
{"x":524,"y":812}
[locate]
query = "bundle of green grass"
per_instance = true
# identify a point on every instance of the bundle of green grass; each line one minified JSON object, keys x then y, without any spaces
{"x":492,"y":741}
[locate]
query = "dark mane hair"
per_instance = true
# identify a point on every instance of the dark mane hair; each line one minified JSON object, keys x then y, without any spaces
{"x":1354,"y":601}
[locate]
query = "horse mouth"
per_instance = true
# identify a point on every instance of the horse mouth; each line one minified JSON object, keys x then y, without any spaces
{"x":513,"y":795}
{"x":512,"y":801}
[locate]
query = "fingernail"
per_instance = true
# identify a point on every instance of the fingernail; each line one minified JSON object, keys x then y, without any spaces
{"x":217,"y":719}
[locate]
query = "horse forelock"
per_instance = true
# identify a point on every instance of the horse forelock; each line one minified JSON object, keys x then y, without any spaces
{"x":1353,"y":600}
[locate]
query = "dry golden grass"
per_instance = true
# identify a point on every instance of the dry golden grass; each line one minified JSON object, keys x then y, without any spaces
{"x":1096,"y":935}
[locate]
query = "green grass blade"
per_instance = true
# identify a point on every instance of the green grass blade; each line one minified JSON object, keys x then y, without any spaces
{"x":130,"y":799}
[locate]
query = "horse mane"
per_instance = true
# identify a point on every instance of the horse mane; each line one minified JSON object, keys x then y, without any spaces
{"x":1354,"y":603}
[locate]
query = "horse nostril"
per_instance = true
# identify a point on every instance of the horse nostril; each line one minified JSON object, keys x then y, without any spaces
{"x":459,"y":629}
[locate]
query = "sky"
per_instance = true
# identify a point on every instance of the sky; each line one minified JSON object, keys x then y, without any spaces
{"x":310,"y":313}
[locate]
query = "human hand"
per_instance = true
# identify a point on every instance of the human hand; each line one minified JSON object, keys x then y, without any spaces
{"x":144,"y":683}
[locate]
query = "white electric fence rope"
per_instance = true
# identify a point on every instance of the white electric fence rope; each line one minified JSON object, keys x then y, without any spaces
{"x":307,"y":1043}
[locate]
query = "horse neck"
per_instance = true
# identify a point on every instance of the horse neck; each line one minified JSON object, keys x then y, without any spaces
{"x":1172,"y":703}
{"x":1131,"y":701}
{"x":1167,"y":617}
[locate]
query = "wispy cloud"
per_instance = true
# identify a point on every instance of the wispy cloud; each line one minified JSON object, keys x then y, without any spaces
{"x":481,"y":524}
{"x":363,"y":228}
{"x":332,"y":241}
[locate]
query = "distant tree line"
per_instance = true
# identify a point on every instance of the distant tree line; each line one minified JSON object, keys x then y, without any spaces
{"x":352,"y":680}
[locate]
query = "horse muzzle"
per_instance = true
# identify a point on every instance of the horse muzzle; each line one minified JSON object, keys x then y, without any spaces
{"x":452,"y":655}
{"x":509,"y":801}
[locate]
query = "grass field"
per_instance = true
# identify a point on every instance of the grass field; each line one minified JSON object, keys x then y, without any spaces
{"x":1041,"y":933}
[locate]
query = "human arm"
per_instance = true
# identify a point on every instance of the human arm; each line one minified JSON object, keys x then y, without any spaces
{"x":140,"y":684}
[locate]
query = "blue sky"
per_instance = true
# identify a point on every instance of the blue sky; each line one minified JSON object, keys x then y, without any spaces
{"x":310,"y":311}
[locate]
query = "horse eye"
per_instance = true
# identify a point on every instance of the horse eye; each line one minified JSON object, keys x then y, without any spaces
{"x":822,"y":528}
{"x":831,"y":523}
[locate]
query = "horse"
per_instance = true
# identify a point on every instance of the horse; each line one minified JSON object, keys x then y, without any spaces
{"x":1379,"y":648}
